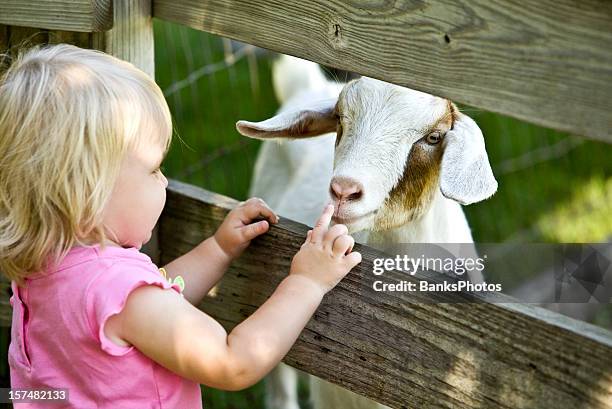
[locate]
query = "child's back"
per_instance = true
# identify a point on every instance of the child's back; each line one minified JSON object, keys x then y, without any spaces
{"x":68,"y":307}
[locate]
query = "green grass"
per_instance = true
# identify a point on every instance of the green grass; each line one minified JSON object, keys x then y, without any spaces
{"x":590,"y":209}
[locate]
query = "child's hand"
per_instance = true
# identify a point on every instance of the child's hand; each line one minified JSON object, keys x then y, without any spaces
{"x":326,"y":257}
{"x":237,"y":230}
{"x":202,"y":350}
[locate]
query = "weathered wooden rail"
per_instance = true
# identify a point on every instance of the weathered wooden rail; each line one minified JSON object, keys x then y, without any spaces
{"x":543,"y":61}
{"x":547,"y":62}
{"x":70,"y":15}
{"x":398,"y":348}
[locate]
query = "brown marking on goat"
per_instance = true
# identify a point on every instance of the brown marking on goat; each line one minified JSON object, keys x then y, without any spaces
{"x":412,"y":195}
{"x":339,"y":133}
{"x":310,"y":123}
{"x":446,"y":121}
{"x":454,"y":112}
{"x":338,"y":115}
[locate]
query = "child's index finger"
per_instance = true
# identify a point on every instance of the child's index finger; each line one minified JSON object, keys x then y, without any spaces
{"x":322,"y":224}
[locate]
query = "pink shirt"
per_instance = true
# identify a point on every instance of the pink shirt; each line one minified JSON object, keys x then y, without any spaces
{"x":58,"y":341}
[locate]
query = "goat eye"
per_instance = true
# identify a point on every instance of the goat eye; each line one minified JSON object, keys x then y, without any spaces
{"x":338,"y":133}
{"x":434,"y":138}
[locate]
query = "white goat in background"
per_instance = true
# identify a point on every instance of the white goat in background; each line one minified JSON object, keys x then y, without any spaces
{"x":396,"y":163}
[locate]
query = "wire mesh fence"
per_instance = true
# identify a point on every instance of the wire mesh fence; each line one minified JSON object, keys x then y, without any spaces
{"x":210,"y":83}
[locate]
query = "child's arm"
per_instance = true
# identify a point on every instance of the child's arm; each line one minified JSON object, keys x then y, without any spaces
{"x":203,"y":266}
{"x":190,"y":343}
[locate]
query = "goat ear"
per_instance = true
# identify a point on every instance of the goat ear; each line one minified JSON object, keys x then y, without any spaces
{"x":315,"y":120}
{"x":466,"y":174}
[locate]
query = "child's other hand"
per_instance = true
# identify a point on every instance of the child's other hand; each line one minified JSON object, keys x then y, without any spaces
{"x":238,"y":229}
{"x":326,"y":256}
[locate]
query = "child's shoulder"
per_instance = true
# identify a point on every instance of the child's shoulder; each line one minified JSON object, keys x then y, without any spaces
{"x":121,"y":270}
{"x":121,"y":255}
{"x":118,"y":264}
{"x":86,"y":263}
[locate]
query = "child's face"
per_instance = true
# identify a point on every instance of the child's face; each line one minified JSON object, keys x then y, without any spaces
{"x":138,"y":198}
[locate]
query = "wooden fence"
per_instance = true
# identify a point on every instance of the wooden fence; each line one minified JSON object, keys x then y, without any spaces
{"x":546,"y":62}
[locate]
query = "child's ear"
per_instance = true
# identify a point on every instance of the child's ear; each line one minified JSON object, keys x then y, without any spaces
{"x":312,"y":121}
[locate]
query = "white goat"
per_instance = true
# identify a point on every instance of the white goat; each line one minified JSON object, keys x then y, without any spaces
{"x":396,"y":163}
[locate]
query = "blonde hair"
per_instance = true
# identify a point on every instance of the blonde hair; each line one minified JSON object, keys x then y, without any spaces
{"x":68,"y":116}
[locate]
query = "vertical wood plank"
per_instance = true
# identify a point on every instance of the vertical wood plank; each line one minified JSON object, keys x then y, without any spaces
{"x":131,"y":39}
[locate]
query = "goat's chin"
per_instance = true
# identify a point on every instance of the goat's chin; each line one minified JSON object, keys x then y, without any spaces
{"x":356,"y":225}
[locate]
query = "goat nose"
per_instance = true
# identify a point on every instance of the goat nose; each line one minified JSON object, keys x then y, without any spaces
{"x":344,"y":188}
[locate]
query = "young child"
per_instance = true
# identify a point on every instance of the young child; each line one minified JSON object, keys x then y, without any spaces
{"x":82,"y":136}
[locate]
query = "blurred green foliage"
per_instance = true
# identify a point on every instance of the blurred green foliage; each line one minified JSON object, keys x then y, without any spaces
{"x":541,"y":172}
